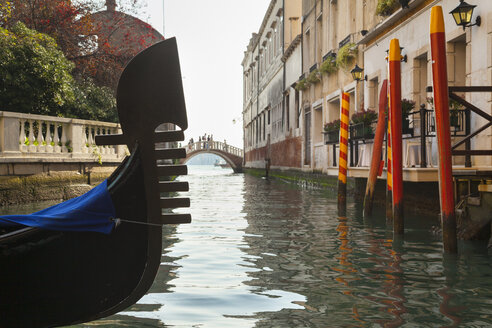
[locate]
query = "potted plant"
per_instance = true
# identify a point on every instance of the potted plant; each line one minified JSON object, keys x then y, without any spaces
{"x":454,"y":113}
{"x":314,"y":77}
{"x":302,"y":85}
{"x":386,"y":7}
{"x":346,"y":55}
{"x":329,"y":65}
{"x":407,"y":106}
{"x":331,"y":131}
{"x":361,"y":122}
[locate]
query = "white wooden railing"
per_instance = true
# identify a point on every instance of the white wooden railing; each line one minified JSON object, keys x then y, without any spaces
{"x":214,"y":145}
{"x":35,"y":136}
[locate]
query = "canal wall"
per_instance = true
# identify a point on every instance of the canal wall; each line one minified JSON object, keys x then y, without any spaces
{"x":48,"y":187}
{"x":420,"y":198}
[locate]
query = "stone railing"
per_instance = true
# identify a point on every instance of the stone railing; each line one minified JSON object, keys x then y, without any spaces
{"x":38,"y":136}
{"x":214,"y":145}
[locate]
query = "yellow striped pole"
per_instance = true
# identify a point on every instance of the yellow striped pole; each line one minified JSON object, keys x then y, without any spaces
{"x":342,"y":160}
{"x":389,"y":177}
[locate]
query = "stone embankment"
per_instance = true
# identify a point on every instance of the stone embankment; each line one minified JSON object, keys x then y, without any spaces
{"x":56,"y":186}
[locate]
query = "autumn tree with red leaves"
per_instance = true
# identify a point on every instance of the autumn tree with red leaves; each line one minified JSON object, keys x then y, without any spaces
{"x":99,"y":43}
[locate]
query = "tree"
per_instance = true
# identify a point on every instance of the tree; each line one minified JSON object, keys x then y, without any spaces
{"x":90,"y":38}
{"x":35,"y":77}
{"x":34,"y":74}
{"x":92,"y":102}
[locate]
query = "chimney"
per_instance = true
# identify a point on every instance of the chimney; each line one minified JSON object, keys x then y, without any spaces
{"x":111,"y":5}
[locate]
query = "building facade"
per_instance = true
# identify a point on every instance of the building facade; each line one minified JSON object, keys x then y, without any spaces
{"x":293,"y":95}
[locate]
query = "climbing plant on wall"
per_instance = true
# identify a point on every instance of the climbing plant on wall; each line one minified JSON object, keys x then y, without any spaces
{"x":346,"y":55}
{"x":386,"y":7}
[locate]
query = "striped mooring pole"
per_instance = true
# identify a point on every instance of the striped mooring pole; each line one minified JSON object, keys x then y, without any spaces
{"x":342,"y":160}
{"x":441,"y":106}
{"x":394,"y":59}
{"x":389,"y":179}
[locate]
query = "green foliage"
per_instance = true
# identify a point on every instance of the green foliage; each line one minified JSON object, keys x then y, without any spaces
{"x":329,"y":66}
{"x":407,"y":106}
{"x":92,"y":102}
{"x":366,"y":117}
{"x":302,"y":85}
{"x":386,"y":7}
{"x":314,"y":77}
{"x":34,"y":73}
{"x":332,"y":126}
{"x":346,"y":55}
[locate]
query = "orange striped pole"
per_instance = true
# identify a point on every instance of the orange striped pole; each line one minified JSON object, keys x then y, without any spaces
{"x":441,"y":105}
{"x":396,"y":143}
{"x":342,"y":161}
{"x":377,"y":150}
{"x":389,"y":178}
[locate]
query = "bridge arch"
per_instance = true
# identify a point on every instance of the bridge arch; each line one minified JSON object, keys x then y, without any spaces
{"x":232,"y":155}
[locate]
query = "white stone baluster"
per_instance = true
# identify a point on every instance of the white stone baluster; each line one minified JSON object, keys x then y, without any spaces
{"x":113,"y":148}
{"x":64,"y":139}
{"x":85,"y":140}
{"x":49,"y":139}
{"x":56,"y":140}
{"x":40,"y":138}
{"x":32,"y":139}
{"x":100,"y":131}
{"x":22,"y":136}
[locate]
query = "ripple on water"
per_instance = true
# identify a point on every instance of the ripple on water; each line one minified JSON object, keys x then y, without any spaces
{"x":266,"y":254}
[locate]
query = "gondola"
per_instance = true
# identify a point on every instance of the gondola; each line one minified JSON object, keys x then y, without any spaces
{"x":58,"y":271}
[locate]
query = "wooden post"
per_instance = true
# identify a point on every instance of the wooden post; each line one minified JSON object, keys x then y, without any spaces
{"x":389,"y":179}
{"x":396,"y":134}
{"x":423,"y":132}
{"x":441,"y":105}
{"x":342,"y":160}
{"x":377,"y":150}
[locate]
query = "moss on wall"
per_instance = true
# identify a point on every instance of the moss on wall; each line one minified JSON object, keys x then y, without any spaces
{"x":43,"y":187}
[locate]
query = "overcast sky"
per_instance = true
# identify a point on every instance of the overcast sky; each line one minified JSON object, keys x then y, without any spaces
{"x":212,"y":36}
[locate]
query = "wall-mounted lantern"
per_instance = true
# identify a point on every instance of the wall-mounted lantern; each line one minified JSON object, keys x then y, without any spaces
{"x":358,"y":73}
{"x":404,"y":4}
{"x":463,"y":15}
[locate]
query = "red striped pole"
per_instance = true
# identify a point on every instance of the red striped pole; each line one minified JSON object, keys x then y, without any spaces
{"x":394,"y":58}
{"x":342,"y":161}
{"x":389,"y":178}
{"x":377,"y":150}
{"x":441,"y":105}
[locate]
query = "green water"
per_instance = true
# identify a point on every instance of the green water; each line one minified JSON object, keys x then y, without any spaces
{"x":266,"y":254}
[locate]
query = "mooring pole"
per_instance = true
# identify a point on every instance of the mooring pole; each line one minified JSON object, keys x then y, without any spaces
{"x":441,"y":105}
{"x":342,"y":160}
{"x":377,"y":150}
{"x":394,"y":59}
{"x":389,"y":179}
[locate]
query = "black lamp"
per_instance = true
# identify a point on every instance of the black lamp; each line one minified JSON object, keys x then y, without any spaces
{"x":463,"y":15}
{"x":358,"y":73}
{"x":404,"y":4}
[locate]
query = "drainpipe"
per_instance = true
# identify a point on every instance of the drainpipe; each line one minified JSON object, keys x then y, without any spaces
{"x":283,"y":65}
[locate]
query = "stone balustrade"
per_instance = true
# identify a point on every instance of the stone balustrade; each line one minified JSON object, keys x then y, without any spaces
{"x":33,"y":137}
{"x":214,"y":145}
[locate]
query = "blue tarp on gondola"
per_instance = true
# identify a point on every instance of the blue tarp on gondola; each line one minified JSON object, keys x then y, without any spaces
{"x":92,"y":211}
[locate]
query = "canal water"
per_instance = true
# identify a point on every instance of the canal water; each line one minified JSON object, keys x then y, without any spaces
{"x":263,"y":253}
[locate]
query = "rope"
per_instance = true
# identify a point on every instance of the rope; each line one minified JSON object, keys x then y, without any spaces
{"x":118,"y":221}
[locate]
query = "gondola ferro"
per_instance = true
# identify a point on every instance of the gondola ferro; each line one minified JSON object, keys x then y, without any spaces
{"x":97,"y":254}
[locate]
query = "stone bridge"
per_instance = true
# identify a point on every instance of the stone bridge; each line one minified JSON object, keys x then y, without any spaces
{"x":232,"y":155}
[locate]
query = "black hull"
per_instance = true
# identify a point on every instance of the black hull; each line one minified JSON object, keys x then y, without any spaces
{"x":59,"y":278}
{"x":50,"y":278}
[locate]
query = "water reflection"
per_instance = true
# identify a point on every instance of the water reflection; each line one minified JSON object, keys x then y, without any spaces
{"x":265,"y":254}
